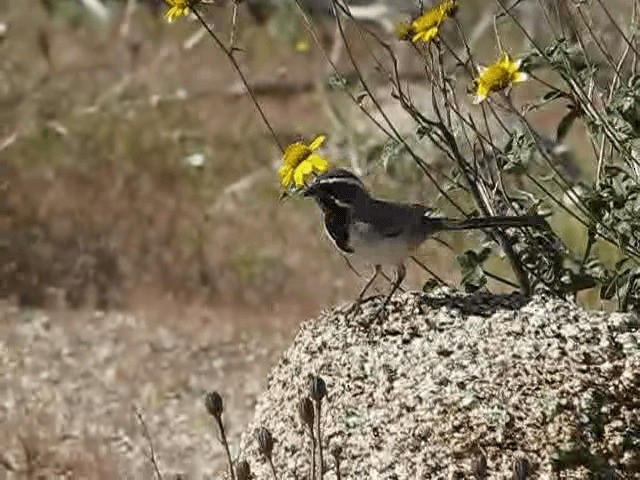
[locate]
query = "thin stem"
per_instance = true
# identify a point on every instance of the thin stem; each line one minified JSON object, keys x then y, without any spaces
{"x":236,"y":66}
{"x":147,"y":436}
{"x":590,"y":242}
{"x":334,"y":67}
{"x":433,"y":274}
{"x":498,"y":278}
{"x":234,"y":24}
{"x":273,"y":469}
{"x":617,"y":27}
{"x":313,"y":454}
{"x":421,"y":164}
{"x":319,"y":436}
{"x":225,"y":444}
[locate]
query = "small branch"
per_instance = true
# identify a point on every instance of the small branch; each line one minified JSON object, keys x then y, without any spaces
{"x":243,"y":78}
{"x":145,"y":433}
{"x":234,"y":25}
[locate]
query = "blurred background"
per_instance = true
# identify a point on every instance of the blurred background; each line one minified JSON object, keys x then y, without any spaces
{"x":138,"y":181}
{"x":136,"y":170}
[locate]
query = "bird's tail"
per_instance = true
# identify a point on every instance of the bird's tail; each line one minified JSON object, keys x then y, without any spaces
{"x":436,"y":224}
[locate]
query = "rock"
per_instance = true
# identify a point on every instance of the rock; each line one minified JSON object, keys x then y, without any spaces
{"x":442,"y":378}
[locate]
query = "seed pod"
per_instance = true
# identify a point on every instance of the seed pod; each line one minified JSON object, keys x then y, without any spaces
{"x":213,"y":403}
{"x":317,"y":388}
{"x":305,"y":410}
{"x":479,"y":467}
{"x":243,"y":471}
{"x":521,"y":469}
{"x":265,"y":442}
{"x":336,"y":452}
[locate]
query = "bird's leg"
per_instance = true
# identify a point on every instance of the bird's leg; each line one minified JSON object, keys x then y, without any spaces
{"x":401,"y":272}
{"x":356,"y":305}
{"x":376,"y":271}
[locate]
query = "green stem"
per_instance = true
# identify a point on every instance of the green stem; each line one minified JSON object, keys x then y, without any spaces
{"x":236,"y":66}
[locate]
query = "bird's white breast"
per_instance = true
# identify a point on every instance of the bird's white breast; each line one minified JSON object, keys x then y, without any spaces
{"x":372,"y":247}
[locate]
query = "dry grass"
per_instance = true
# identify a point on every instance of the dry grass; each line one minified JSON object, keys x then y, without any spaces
{"x":100,"y":198}
{"x":101,"y":202}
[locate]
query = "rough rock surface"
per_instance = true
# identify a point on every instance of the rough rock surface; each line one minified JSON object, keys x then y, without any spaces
{"x":443,"y":377}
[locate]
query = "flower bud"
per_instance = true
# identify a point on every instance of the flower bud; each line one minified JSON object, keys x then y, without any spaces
{"x":336,"y":452}
{"x":265,"y":442}
{"x":243,"y":471}
{"x":521,"y":469}
{"x":213,"y":403}
{"x":317,"y":389}
{"x":305,"y":410}
{"x":479,"y":467}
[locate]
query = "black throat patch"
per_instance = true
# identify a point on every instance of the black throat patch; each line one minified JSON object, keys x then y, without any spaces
{"x":336,"y":223}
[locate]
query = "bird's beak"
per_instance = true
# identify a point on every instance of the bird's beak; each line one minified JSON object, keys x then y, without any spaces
{"x":308,"y":192}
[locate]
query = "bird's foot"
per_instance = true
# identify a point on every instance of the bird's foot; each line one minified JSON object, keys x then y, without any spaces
{"x":380,"y":310}
{"x":353,"y":309}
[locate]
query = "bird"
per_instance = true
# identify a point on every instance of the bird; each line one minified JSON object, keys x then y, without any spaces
{"x":386,"y":233}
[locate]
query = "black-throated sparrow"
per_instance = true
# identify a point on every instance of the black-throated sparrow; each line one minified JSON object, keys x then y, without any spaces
{"x":382,"y":232}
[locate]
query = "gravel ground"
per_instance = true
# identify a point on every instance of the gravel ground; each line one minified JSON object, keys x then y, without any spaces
{"x":445,"y":377}
{"x":69,"y":383}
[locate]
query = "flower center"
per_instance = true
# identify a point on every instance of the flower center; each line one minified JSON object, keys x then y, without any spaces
{"x":296,"y":154}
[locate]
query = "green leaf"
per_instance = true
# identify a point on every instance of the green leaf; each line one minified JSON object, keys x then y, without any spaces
{"x":430,"y":285}
{"x":473,"y":277}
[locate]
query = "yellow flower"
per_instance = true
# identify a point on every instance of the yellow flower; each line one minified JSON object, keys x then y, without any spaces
{"x":177,"y":8}
{"x":300,"y":161}
{"x":426,"y":27}
{"x":498,"y":76}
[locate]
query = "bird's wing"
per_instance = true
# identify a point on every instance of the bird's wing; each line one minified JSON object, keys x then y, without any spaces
{"x":390,"y":219}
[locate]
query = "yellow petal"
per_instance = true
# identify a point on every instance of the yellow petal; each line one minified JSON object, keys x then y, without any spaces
{"x":317,"y":142}
{"x":301,"y":173}
{"x":283,"y":170}
{"x":520,"y":77}
{"x":178,"y":9}
{"x":319,"y":164}
{"x":286,"y":177}
{"x":171,"y":14}
{"x":504,"y":58}
{"x":425,"y":35}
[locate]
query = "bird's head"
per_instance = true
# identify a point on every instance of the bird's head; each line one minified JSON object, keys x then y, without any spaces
{"x":337,"y":188}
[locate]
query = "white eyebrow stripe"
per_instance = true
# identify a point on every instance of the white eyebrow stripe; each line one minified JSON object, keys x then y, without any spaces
{"x":348,"y":181}
{"x":340,"y":203}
